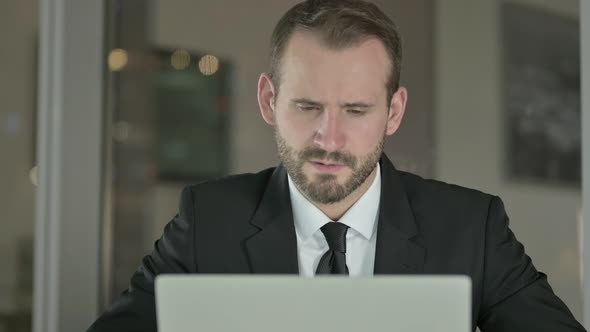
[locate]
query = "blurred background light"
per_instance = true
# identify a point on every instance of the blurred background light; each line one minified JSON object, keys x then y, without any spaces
{"x":117,"y":59}
{"x":180,"y":59}
{"x":209,"y":64}
{"x":33,"y":175}
{"x":121,"y":131}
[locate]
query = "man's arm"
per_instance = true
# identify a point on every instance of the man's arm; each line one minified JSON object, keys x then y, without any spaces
{"x":135,"y":309}
{"x":517,"y":298}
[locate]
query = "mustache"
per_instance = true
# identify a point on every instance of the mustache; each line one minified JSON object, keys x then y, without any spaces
{"x":336,"y":156}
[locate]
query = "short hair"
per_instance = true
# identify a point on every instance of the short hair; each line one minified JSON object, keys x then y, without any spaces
{"x":340,"y":24}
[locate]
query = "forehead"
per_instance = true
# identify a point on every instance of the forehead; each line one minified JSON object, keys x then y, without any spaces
{"x":310,"y":66}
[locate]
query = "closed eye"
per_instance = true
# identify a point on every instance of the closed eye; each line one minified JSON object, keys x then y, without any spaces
{"x":356,"y":111}
{"x":308,"y":108}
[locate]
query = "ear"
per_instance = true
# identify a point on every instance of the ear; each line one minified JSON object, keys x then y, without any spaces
{"x":266,"y":99}
{"x":396,"y":110}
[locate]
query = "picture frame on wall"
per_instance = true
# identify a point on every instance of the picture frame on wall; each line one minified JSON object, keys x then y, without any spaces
{"x":192,"y":93}
{"x":541,"y":95}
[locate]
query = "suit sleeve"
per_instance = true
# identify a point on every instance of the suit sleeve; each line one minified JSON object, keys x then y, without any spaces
{"x":135,"y":309}
{"x":516,"y":297}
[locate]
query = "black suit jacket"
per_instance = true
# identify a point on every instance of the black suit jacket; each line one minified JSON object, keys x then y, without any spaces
{"x":244,"y":224}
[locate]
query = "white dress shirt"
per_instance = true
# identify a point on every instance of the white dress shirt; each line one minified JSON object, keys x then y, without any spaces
{"x":360,"y":238}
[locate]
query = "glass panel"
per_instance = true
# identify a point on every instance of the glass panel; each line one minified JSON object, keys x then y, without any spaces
{"x":169,"y":119}
{"x":18,"y":176}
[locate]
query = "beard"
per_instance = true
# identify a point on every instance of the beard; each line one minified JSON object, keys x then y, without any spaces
{"x":324,"y":188}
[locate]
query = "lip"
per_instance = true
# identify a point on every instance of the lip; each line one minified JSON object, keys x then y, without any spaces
{"x":325,"y":166}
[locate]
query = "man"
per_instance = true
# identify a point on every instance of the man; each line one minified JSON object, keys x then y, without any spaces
{"x":336,"y":204}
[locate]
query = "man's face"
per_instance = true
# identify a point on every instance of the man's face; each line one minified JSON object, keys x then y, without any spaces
{"x":331,"y":115}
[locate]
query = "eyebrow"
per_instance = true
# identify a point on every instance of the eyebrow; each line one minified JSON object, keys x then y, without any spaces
{"x":344,"y":105}
{"x":306,"y":101}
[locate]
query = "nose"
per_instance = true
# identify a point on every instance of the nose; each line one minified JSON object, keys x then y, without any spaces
{"x":330,"y":133}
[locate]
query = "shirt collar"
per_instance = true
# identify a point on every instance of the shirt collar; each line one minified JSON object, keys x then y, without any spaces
{"x":362,"y":215}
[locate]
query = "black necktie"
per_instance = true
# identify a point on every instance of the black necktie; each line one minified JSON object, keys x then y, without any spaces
{"x":334,"y":260}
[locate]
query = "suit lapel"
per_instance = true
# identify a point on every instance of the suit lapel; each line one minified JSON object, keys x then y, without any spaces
{"x":396,"y":251}
{"x":273,"y":249}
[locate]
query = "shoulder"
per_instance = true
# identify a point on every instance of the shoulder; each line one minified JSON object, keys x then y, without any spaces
{"x":230,"y":195}
{"x":238,"y":185}
{"x":441,"y":197}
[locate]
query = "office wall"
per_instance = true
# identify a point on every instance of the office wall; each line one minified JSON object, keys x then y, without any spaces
{"x":469,"y":142}
{"x":18,"y":33}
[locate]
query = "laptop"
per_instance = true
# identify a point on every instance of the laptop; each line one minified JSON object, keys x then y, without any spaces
{"x":261,"y":303}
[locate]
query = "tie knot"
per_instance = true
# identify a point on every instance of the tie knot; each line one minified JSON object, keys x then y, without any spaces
{"x":335,"y":234}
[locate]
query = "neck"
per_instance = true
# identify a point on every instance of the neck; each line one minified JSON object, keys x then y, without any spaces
{"x":337,"y":210}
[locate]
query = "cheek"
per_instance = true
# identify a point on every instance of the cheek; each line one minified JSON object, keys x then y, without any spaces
{"x":296,"y":131}
{"x":365,"y":135}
